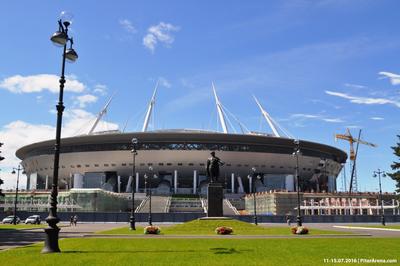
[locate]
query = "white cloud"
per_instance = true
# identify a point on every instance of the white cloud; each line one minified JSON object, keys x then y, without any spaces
{"x":394,"y":78}
{"x":363,"y":100}
{"x":150,"y":42}
{"x":357,"y":86}
{"x":20,"y":133}
{"x":164,"y":82}
{"x":316,"y":117}
{"x":377,"y":118}
{"x":332,"y":120}
{"x":39,"y":83}
{"x":304,"y":116}
{"x":83,"y":100}
{"x":127,"y":25}
{"x":160,"y":33}
{"x":100,"y":89}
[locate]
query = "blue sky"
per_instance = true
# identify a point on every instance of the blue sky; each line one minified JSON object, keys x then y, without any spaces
{"x":316,"y":66}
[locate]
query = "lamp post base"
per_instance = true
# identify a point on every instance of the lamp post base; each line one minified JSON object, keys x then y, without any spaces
{"x":51,"y":241}
{"x":255,"y":220}
{"x":132,"y":223}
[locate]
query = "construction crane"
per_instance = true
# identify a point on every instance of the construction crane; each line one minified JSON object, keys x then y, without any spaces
{"x":353,"y":154}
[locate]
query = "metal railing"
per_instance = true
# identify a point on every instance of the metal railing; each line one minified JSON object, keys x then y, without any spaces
{"x":204,"y":204}
{"x":167,"y":205}
{"x":141,"y":205}
{"x":229,"y":204}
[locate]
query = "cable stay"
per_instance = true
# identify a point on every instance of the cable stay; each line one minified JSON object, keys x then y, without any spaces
{"x":243,"y":128}
{"x":150,"y":109}
{"x":271,"y":122}
{"x":267,"y":118}
{"x":284,"y":131}
{"x":220,"y":111}
{"x":101,"y":114}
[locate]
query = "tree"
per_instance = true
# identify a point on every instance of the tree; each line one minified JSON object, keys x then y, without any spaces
{"x":1,"y":193}
{"x":396,"y":166}
{"x":1,"y":181}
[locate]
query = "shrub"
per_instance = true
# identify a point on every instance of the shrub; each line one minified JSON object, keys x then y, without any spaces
{"x":152,"y":229}
{"x":224,"y":230}
{"x":299,"y":230}
{"x":293,"y":229}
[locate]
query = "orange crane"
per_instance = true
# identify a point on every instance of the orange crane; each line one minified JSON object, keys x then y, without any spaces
{"x":353,"y":154}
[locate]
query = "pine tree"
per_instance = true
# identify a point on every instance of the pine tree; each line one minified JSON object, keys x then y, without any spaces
{"x":396,"y":166}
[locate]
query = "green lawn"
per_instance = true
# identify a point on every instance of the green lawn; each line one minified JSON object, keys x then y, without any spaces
{"x":125,"y":230}
{"x":292,"y":251}
{"x":207,"y":227}
{"x":21,"y":226}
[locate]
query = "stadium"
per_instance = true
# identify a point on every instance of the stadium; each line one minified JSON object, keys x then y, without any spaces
{"x":173,"y":161}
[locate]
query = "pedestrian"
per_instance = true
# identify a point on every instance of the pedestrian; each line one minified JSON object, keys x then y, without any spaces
{"x":75,"y":219}
{"x":71,"y":221}
{"x":288,"y":220}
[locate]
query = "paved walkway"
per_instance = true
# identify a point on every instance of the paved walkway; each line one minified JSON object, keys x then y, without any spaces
{"x":15,"y":238}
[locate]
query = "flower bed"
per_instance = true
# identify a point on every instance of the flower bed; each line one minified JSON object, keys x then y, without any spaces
{"x":152,"y":229}
{"x":299,"y":230}
{"x":224,"y":230}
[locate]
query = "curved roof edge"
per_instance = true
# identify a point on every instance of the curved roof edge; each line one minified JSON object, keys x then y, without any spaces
{"x":182,"y":135}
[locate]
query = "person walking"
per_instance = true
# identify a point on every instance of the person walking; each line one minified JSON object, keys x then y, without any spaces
{"x":75,"y":219}
{"x":71,"y":220}
{"x":288,"y":220}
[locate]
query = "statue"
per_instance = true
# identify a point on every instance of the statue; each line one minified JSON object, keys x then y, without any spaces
{"x":213,"y":164}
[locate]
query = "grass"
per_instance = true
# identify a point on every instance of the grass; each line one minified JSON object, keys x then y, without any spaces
{"x":125,"y":230}
{"x":207,"y":227}
{"x":21,"y":226}
{"x":293,"y":251}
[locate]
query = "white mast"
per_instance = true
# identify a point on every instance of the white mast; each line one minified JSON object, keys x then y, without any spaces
{"x":100,"y":115}
{"x":267,"y":117}
{"x":220,"y":111}
{"x":149,"y":109}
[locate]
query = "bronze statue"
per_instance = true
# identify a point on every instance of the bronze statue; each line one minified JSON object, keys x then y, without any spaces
{"x":213,"y":164}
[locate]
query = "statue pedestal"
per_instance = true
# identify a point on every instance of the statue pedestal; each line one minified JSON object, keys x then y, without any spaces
{"x":215,"y":196}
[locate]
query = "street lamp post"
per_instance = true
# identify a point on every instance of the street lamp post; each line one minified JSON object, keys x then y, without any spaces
{"x":378,"y":174}
{"x":19,"y":168}
{"x":253,"y":188}
{"x":150,"y":220}
{"x":297,"y":153}
{"x":59,"y":38}
{"x":134,"y":153}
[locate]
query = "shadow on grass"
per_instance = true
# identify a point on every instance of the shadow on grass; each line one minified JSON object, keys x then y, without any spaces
{"x":218,"y":251}
{"x":14,"y":238}
{"x":225,"y":250}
